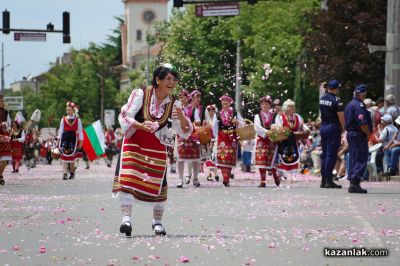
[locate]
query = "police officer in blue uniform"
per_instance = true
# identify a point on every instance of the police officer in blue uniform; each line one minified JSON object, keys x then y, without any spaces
{"x":358,"y":124}
{"x":332,"y":118}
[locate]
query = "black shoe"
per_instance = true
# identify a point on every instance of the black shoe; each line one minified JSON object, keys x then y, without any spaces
{"x":196,"y":183}
{"x":330,"y":184}
{"x":209,"y":178}
{"x":158,"y":231}
{"x":226,"y":184}
{"x":323,"y":182}
{"x":108,"y":165}
{"x":216,"y":178}
{"x":126,"y":228}
{"x":2,"y":182}
{"x":14,"y":171}
{"x":180,"y":184}
{"x":87,"y":167}
{"x":232,"y":176}
{"x":262,"y":184}
{"x":356,"y":188}
{"x":173,"y":171}
{"x":65,"y":177}
{"x":71,"y":175}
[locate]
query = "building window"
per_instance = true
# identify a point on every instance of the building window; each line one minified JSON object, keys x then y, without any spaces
{"x":138,"y":35}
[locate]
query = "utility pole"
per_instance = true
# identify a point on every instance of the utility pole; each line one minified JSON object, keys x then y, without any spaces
{"x":2,"y":69}
{"x":101,"y":77}
{"x":392,"y":63}
{"x":392,"y":49}
{"x":238,"y":94}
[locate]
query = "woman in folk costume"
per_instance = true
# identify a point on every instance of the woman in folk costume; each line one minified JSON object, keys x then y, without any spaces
{"x":17,"y":145}
{"x":5,"y":145}
{"x":70,"y":136}
{"x":212,"y":122}
{"x":141,"y":170}
{"x":189,"y":150}
{"x":228,"y":120}
{"x":265,"y":148}
{"x":288,"y":150}
{"x":184,"y":98}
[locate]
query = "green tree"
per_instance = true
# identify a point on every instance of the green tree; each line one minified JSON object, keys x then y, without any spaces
{"x":337,"y":45}
{"x":204,"y":50}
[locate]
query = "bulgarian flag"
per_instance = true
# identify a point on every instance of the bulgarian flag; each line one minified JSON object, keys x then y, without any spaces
{"x":93,"y":142}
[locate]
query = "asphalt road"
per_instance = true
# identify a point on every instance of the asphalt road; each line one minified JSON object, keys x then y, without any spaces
{"x":45,"y":220}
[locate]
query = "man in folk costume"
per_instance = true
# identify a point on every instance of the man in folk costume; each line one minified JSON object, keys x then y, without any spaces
{"x":228,"y":120}
{"x":17,"y":145}
{"x":265,"y":149}
{"x":288,"y":150}
{"x":141,"y":170}
{"x":111,"y":141}
{"x":70,"y":137}
{"x":5,"y":145}
{"x":189,"y":150}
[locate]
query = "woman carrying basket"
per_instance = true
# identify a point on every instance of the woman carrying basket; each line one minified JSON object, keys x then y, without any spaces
{"x":265,"y":149}
{"x":228,"y":120}
{"x":288,"y":150}
{"x":189,"y":150}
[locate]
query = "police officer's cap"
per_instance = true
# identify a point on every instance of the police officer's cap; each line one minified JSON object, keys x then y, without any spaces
{"x":333,"y":84}
{"x":360,"y":88}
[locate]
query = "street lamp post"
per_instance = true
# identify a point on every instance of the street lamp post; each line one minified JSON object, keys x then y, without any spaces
{"x":392,"y":50}
{"x":102,"y":86}
{"x":2,"y":69}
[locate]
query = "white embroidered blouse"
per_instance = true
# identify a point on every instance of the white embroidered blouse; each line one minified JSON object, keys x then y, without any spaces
{"x":260,"y":130}
{"x":132,"y":107}
{"x":80,"y":130}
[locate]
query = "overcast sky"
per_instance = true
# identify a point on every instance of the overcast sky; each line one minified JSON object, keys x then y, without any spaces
{"x":91,"y":21}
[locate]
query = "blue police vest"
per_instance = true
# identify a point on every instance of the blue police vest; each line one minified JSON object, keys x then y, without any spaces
{"x":329,"y":106}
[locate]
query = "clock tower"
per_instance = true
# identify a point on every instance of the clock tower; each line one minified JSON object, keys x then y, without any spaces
{"x":140,"y":15}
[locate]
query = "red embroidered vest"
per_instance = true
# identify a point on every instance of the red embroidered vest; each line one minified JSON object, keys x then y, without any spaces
{"x":293,"y":127}
{"x":68,"y":126}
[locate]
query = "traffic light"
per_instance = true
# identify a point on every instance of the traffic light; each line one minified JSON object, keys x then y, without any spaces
{"x":252,"y":2}
{"x":66,"y":23}
{"x":66,"y":31}
{"x":178,"y":3}
{"x":6,"y":22}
